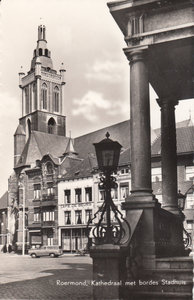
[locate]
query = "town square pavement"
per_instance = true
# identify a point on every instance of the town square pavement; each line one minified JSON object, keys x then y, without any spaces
{"x":66,"y":277}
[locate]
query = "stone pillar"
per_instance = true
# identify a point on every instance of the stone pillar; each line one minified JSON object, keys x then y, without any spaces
{"x":141,"y":198}
{"x":140,"y":123}
{"x":169,"y":155}
{"x":106,"y":272}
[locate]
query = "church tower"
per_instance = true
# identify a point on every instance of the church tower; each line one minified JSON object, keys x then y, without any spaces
{"x":42,"y":92}
{"x":42,"y":97}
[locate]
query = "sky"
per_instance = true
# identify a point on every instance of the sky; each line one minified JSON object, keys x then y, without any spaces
{"x":83,"y":36}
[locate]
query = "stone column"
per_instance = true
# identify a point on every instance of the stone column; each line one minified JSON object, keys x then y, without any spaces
{"x":169,"y":155}
{"x":140,"y":123}
{"x":141,"y":202}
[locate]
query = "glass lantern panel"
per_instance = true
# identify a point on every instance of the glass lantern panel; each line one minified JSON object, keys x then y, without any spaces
{"x":181,"y":203}
{"x":107,"y":158}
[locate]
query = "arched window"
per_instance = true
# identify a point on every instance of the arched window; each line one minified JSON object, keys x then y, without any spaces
{"x":46,"y":52}
{"x":28,"y":128}
{"x":51,"y":126}
{"x":56,"y":99}
{"x":40,"y":51}
{"x":44,"y":96}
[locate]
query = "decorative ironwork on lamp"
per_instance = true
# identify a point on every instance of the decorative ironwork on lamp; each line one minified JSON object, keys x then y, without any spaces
{"x":107,"y":231}
{"x":181,"y":205}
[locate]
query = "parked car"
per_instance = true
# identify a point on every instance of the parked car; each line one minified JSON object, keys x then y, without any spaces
{"x":52,"y":251}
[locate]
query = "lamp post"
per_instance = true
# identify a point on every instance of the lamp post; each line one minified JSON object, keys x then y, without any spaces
{"x":111,"y":234}
{"x":108,"y":153}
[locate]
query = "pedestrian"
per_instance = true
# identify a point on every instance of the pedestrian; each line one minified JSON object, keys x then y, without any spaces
{"x":9,"y":248}
{"x":5,"y":249}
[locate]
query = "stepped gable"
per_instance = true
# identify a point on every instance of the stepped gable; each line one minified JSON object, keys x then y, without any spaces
{"x":40,"y":144}
{"x":185,"y":141}
{"x":4,"y":201}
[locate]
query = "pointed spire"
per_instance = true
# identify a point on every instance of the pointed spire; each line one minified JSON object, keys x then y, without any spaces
{"x":41,"y":53}
{"x":41,"y":32}
{"x":70,"y":148}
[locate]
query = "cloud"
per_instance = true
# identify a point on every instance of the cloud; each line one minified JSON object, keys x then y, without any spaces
{"x":108,"y":71}
{"x":120,"y":107}
{"x":89,"y":104}
{"x":92,"y":105}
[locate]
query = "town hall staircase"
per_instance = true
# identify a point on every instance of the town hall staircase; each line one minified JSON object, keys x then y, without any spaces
{"x":171,"y":279}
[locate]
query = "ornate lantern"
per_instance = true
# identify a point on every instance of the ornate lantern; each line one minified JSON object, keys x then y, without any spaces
{"x":111,"y":228}
{"x":107,"y":153}
{"x":181,"y":200}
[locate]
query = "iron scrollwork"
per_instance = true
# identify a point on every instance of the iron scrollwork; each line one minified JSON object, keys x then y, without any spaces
{"x":187,"y":240}
{"x":112,"y":227}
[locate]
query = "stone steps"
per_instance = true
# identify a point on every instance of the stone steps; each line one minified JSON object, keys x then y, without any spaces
{"x":174,"y":263}
{"x":168,"y":274}
{"x":172,"y":279}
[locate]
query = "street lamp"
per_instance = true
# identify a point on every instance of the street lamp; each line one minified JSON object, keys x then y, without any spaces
{"x":109,"y":232}
{"x":181,"y":200}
